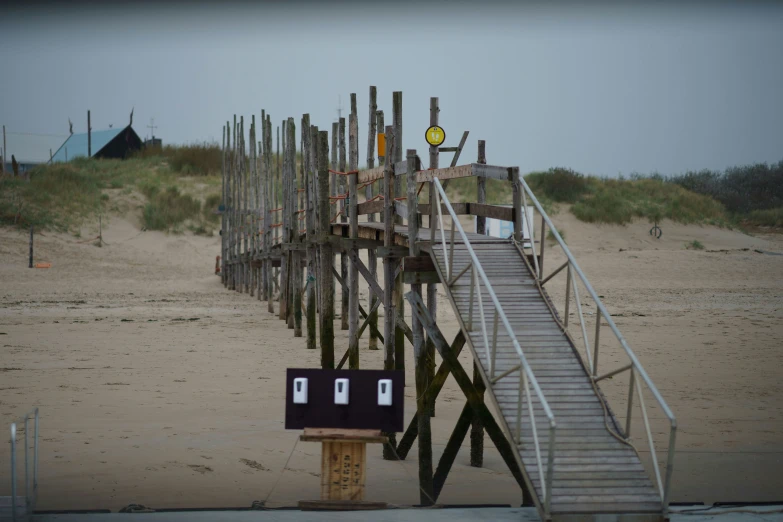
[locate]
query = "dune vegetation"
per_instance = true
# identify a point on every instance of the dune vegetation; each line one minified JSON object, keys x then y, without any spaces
{"x":177,"y":188}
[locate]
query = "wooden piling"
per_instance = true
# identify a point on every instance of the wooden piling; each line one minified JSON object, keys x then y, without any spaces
{"x":353,"y":274}
{"x":223,"y":214}
{"x":396,"y":156}
{"x":326,"y":279}
{"x":423,"y":378}
{"x":251,"y":233}
{"x":269,"y":218}
{"x":342,"y":188}
{"x":477,"y":428}
{"x":372,"y":257}
{"x":295,"y":267}
{"x":312,"y":253}
{"x":333,"y":191}
{"x":276,"y":194}
{"x":388,"y":275}
{"x":283,"y":313}
{"x":432,"y":288}
{"x":31,"y":247}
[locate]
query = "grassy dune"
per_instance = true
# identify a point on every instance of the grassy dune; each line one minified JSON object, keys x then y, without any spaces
{"x":178,"y":188}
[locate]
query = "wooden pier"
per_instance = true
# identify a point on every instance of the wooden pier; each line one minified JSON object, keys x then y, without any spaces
{"x":562,"y":442}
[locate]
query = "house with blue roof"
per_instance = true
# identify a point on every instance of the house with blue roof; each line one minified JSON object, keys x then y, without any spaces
{"x":110,"y":143}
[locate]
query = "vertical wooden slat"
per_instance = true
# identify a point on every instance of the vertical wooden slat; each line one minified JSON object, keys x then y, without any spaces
{"x":353,"y":275}
{"x":342,"y":184}
{"x":326,"y":316}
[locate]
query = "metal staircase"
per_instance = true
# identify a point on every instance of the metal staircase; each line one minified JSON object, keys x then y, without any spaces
{"x":576,"y":458}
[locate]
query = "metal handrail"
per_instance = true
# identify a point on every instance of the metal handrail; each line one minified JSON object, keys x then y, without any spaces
{"x":30,"y":501}
{"x":526,"y":376}
{"x":635,"y":367}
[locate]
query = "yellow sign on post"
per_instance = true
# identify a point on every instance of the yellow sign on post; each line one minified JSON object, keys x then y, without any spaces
{"x":381,"y":145}
{"x":435,"y":136}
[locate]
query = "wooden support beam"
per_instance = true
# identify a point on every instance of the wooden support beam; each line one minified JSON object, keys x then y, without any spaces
{"x":311,"y":296}
{"x":491,"y":211}
{"x":418,"y":264}
{"x":393,"y":251}
{"x":342,"y":189}
{"x":477,"y":428}
{"x":353,"y":271}
{"x":474,"y":398}
{"x":459,"y":209}
{"x":369,"y":208}
{"x":452,"y":448}
{"x":326,"y":316}
{"x":388,"y":271}
{"x":435,"y":387}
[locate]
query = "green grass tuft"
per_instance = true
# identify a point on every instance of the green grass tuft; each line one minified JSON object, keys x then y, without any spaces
{"x":169,"y":208}
{"x":694,"y":245}
{"x":772,"y":217}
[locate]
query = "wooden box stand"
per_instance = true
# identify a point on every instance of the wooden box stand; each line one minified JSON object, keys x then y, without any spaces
{"x":343,"y":463}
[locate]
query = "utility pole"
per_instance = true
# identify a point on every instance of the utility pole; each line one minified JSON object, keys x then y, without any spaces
{"x":89,"y":136}
{"x":339,"y":107}
{"x":5,"y":149}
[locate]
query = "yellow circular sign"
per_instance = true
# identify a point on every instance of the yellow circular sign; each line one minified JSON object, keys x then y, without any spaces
{"x":435,"y":136}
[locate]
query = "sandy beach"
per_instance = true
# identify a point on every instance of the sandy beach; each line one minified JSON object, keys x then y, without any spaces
{"x":159,"y":387}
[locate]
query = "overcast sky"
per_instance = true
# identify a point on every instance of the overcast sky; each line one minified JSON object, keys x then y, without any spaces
{"x":603,"y":88}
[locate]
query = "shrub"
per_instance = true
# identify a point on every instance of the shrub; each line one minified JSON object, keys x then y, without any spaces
{"x":168,"y":209}
{"x":559,"y":184}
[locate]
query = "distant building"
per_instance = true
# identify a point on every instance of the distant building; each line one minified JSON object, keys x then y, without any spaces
{"x":111,"y":143}
{"x":153,"y":142}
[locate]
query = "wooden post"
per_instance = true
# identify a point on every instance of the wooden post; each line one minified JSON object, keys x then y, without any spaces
{"x":263,"y":210}
{"x":395,"y":157}
{"x":284,"y":234}
{"x":312,"y":264}
{"x":31,"y":247}
{"x":353,"y":276}
{"x":223,"y":220}
{"x":517,"y":199}
{"x":326,"y":278}
{"x":333,"y":190}
{"x":388,"y":274}
{"x":295,"y":267}
{"x":341,"y":181}
{"x":89,"y":136}
{"x":251,"y":231}
{"x":244,"y":173}
{"x":372,"y":257}
{"x":432,"y":288}
{"x":481,"y":189}
{"x":235,"y":209}
{"x":423,"y":378}
{"x":276,"y":193}
{"x":5,"y":151}
{"x":477,"y":428}
{"x":269,"y":218}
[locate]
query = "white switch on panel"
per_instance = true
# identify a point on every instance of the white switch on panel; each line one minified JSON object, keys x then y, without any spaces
{"x":384,"y":392}
{"x":341,"y":391}
{"x":300,"y":390}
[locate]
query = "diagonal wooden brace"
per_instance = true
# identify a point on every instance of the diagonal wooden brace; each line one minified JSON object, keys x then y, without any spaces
{"x":406,"y":443}
{"x":474,"y":398}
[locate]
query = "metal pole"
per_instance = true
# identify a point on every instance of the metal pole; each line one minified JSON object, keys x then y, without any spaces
{"x":31,"y":247}
{"x":13,"y":471}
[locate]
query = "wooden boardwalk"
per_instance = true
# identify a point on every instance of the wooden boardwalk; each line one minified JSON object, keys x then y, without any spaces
{"x":280,"y":228}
